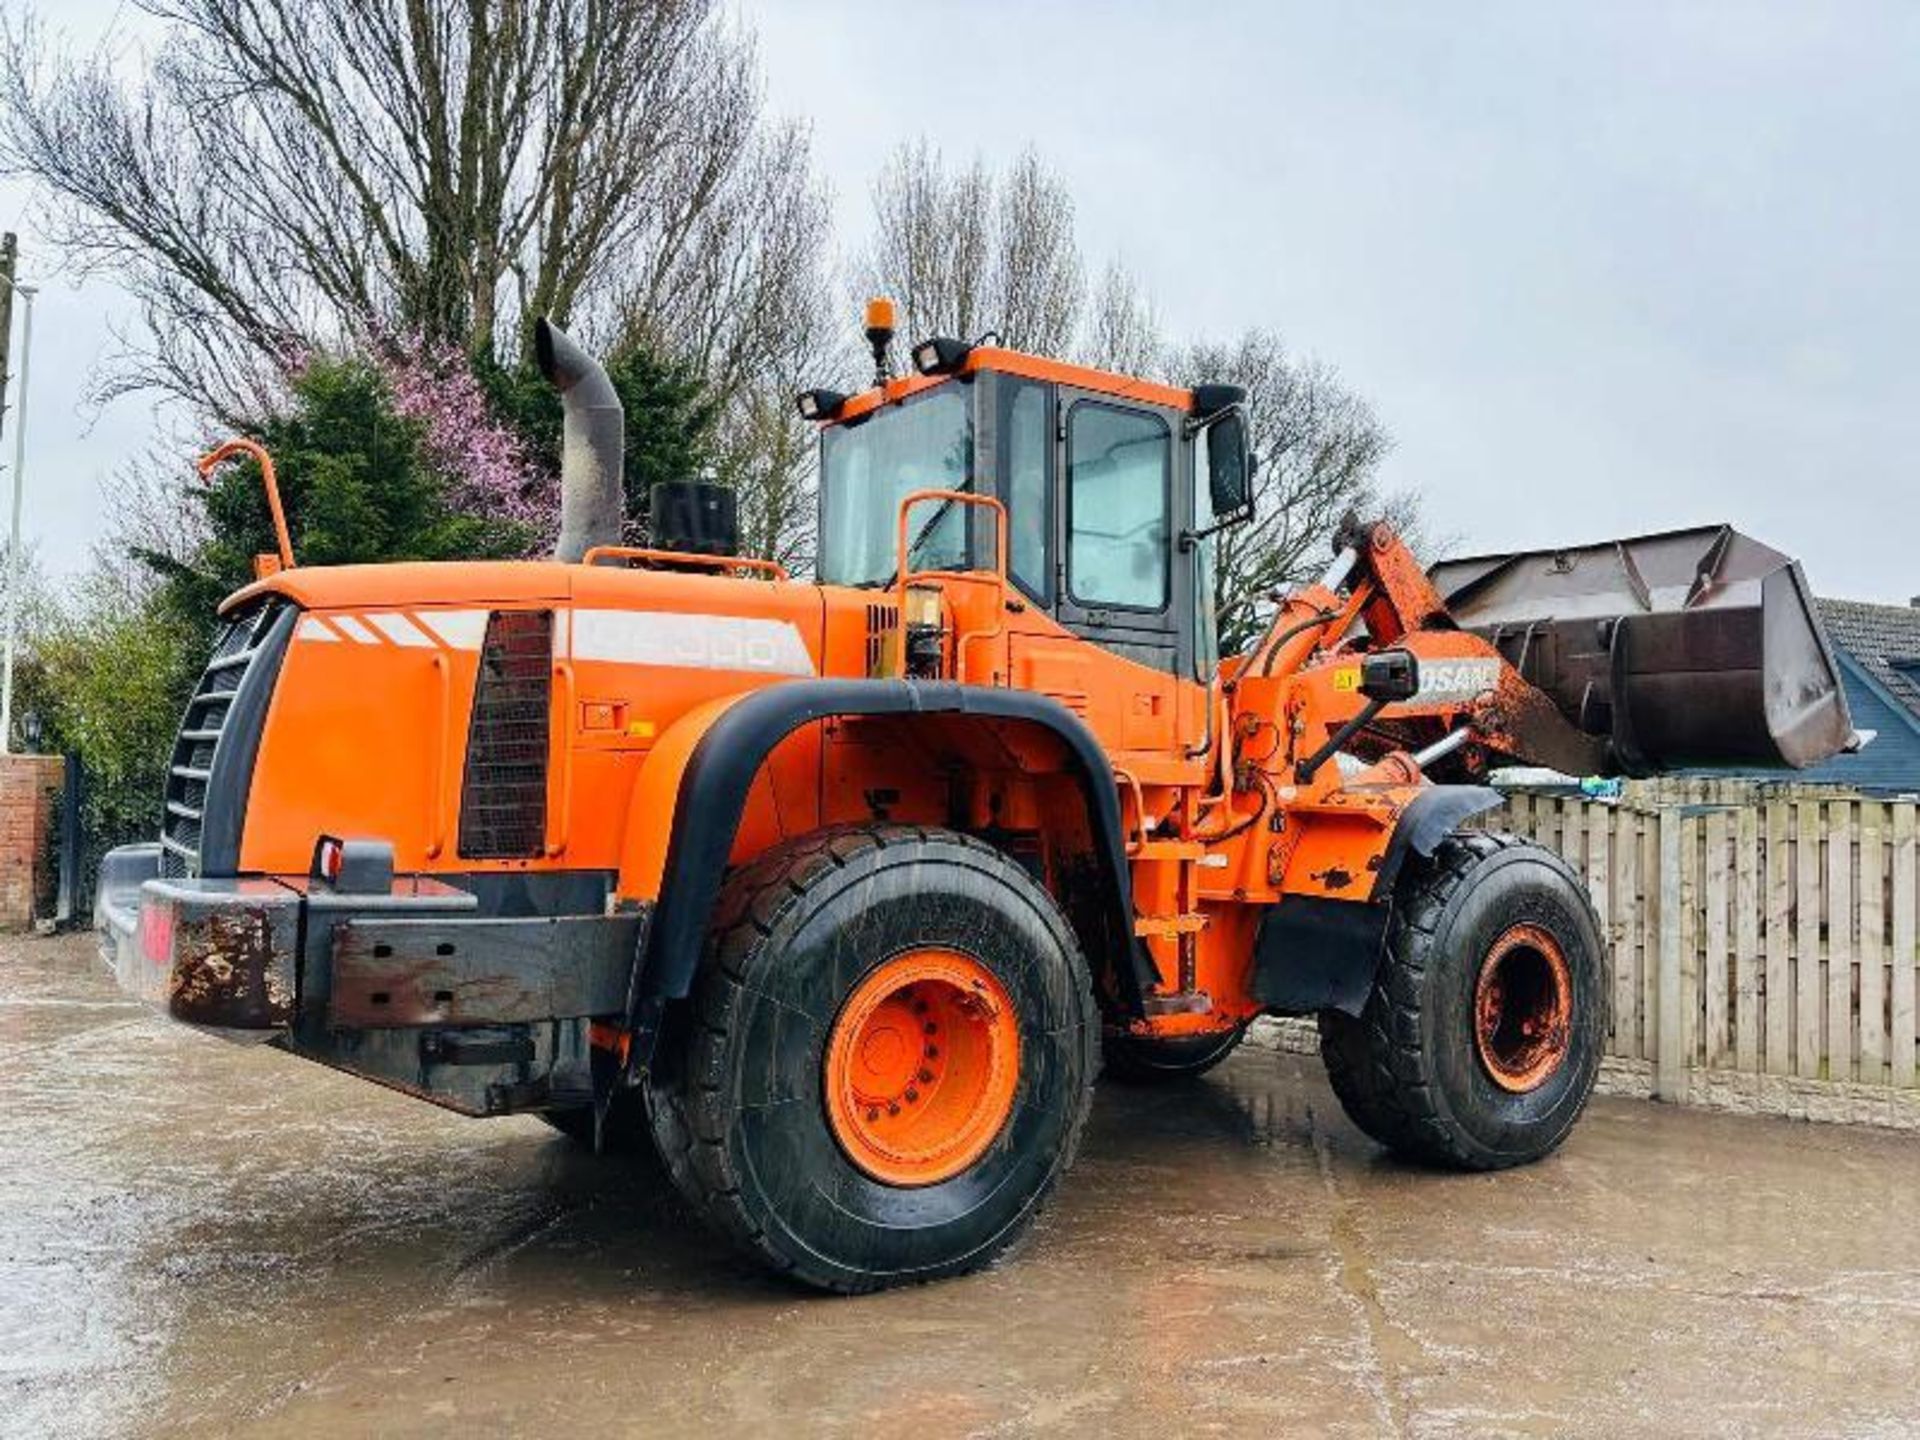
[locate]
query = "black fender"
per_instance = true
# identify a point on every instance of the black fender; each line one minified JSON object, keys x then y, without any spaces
{"x":1314,"y":953}
{"x":713,"y":791}
{"x":1431,"y":816}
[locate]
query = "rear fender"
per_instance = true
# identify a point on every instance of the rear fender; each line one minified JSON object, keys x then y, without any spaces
{"x":702,"y":771}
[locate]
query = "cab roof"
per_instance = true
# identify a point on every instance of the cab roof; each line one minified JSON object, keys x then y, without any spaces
{"x":1034,"y":367}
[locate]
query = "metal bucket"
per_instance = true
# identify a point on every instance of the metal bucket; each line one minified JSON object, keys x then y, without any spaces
{"x":1695,"y":647}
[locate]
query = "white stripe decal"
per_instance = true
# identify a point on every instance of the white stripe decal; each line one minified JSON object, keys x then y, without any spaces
{"x":400,"y":630}
{"x":697,"y":642}
{"x":456,"y":629}
{"x":312,"y":629}
{"x":354,"y":630}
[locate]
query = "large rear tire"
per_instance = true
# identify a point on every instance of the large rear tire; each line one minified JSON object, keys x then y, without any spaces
{"x":1156,"y":1060}
{"x":888,"y":1059}
{"x":1480,"y":1044}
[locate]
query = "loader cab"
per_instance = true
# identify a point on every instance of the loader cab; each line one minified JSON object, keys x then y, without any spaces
{"x":1105,"y":481}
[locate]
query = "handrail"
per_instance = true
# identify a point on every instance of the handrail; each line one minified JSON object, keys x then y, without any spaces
{"x":685,"y":557}
{"x":563,"y":669}
{"x":902,"y":552}
{"x":1132,"y":782}
{"x":437,"y":803}
{"x":226,"y":450}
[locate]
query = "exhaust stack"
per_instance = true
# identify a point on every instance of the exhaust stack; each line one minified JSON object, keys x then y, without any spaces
{"x":592,"y":447}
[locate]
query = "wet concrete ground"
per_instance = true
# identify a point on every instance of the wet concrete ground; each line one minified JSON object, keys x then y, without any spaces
{"x":199,"y":1238}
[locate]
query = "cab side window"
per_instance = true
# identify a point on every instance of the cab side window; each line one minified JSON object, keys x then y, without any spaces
{"x":1026,"y":430}
{"x":1119,"y":484}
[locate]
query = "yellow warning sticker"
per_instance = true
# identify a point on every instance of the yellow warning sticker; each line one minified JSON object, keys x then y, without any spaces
{"x":1347,"y":679}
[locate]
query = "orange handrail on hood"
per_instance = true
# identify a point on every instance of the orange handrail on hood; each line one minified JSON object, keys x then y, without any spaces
{"x":212,"y":460}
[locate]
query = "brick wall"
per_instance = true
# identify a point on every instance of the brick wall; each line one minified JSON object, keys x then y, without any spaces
{"x":29,"y":811}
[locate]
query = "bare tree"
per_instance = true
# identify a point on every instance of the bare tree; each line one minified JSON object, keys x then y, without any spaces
{"x":1320,"y":446}
{"x":1122,"y":330}
{"x":964,"y":251}
{"x":969,"y":251}
{"x":771,"y":461}
{"x":749,"y":308}
{"x":295,"y":172}
{"x":1037,"y":282}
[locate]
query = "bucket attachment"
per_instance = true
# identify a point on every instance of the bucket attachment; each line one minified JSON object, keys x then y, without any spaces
{"x":1692,"y":648}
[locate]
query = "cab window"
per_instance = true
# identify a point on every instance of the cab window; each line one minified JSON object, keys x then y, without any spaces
{"x":868,"y":466}
{"x":1119,"y":483}
{"x":1026,"y":435}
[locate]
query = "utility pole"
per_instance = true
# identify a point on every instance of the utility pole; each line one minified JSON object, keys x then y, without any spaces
{"x":8,"y":287}
{"x":9,"y":251}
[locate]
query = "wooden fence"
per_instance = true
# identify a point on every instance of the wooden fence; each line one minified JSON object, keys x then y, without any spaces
{"x":1763,"y":940}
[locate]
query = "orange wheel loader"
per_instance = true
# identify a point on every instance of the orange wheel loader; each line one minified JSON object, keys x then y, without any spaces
{"x":837,"y":891}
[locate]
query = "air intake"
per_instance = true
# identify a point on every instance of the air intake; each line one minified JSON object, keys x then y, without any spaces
{"x":503,"y":796}
{"x":693,"y":517}
{"x":211,"y":768}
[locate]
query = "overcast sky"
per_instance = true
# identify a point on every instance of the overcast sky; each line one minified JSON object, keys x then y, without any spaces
{"x":1601,"y":269}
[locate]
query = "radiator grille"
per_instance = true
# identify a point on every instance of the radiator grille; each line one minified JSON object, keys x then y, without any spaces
{"x":199,"y":751}
{"x":503,"y":794}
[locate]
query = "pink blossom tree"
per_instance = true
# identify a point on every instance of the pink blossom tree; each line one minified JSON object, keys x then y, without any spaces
{"x":485,"y":464}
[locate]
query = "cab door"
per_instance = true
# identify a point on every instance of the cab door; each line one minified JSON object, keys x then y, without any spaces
{"x":1117,"y":583}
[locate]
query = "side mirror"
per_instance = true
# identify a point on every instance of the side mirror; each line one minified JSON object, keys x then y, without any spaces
{"x":1389,"y":676}
{"x":1386,"y":676}
{"x":1229,"y":468}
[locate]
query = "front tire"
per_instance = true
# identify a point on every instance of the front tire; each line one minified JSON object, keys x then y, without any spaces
{"x":1480,"y":1043}
{"x":888,"y":1060}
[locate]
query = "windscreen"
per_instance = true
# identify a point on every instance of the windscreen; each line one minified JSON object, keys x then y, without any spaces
{"x":866,"y":470}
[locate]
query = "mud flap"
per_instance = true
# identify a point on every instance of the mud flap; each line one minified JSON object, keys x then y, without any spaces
{"x":606,"y":1068}
{"x":610,"y":1066}
{"x":1317,"y":954}
{"x":1314,"y":953}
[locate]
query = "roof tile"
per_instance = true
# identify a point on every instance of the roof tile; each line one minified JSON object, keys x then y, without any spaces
{"x":1878,"y":637}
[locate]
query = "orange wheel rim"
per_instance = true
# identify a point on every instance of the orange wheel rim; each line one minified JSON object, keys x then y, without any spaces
{"x":1523,"y":1009}
{"x":921,"y":1067}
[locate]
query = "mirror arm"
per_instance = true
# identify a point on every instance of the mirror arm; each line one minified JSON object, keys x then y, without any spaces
{"x":1306,"y":768}
{"x":1190,"y":538}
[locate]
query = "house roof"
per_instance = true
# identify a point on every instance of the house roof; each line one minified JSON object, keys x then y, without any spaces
{"x":1884,"y":640}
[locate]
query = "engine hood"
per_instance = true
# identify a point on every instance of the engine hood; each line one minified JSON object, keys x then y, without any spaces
{"x":456,"y":582}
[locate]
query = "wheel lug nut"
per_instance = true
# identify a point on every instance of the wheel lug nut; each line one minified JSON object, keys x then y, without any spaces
{"x":892,"y":1109}
{"x":932,"y":1029}
{"x":919,"y":1007}
{"x":933,"y":1052}
{"x":873,"y":1114}
{"x":926,"y":1077}
{"x":912,"y":1094}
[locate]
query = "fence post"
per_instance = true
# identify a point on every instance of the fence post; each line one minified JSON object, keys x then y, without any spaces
{"x":1673,"y":999}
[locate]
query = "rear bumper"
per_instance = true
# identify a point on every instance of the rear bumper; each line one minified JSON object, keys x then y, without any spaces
{"x":485,"y":1009}
{"x":225,"y":954}
{"x":215,"y":953}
